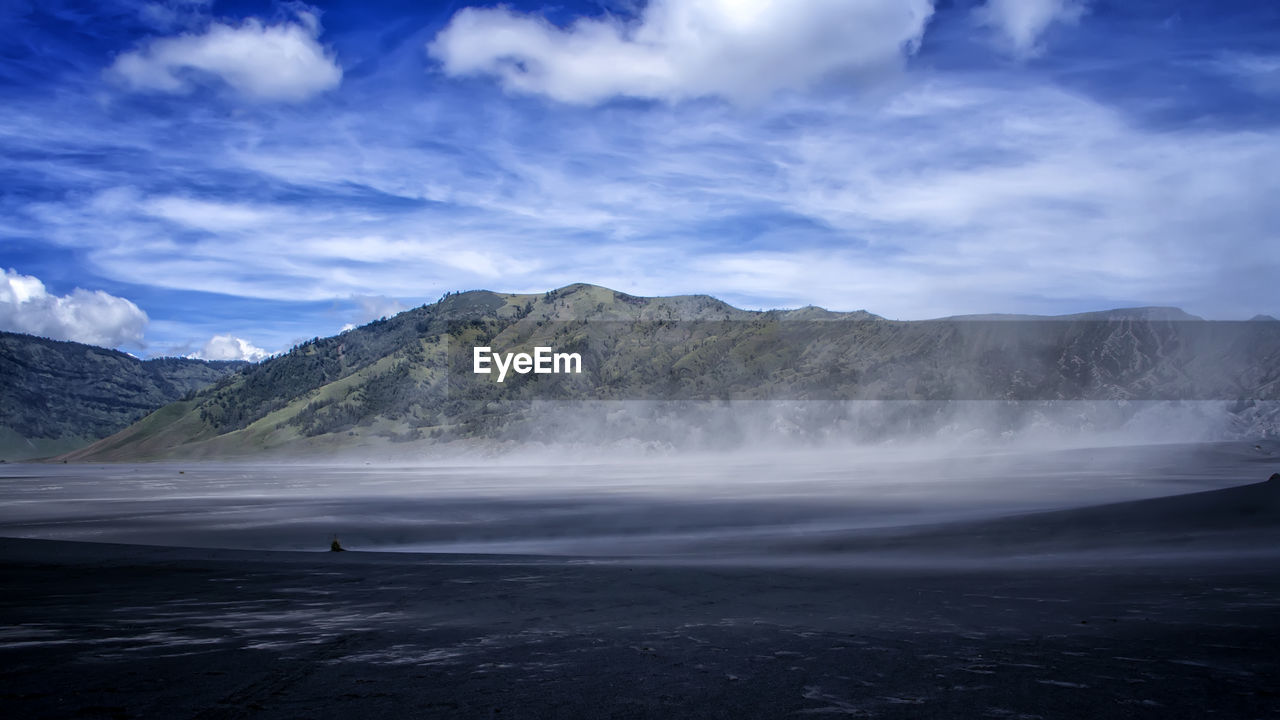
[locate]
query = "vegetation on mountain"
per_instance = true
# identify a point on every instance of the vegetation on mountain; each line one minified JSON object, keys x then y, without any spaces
{"x":58,"y":395}
{"x":408,"y":377}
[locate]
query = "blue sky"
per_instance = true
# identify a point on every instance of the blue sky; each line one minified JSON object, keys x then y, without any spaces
{"x":193,"y":177}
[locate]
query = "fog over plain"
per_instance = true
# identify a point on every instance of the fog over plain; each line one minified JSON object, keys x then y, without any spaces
{"x":591,"y":497}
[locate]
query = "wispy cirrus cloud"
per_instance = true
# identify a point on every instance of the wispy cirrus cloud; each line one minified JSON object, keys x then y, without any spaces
{"x":168,"y":15}
{"x":945,"y":197}
{"x":1258,"y":73}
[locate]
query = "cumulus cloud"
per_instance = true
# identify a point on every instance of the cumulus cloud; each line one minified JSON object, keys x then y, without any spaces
{"x":679,"y":49}
{"x":87,"y":316}
{"x":229,"y":347}
{"x":1022,"y":22}
{"x":282,"y":62}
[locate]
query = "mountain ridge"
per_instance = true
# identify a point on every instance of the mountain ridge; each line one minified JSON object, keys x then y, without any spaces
{"x":60,"y":394}
{"x":407,"y":378}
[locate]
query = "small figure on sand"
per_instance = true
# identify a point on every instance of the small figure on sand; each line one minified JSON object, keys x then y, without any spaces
{"x":336,"y":546}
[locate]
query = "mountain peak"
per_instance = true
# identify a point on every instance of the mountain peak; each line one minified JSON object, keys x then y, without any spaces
{"x":1157,"y":313}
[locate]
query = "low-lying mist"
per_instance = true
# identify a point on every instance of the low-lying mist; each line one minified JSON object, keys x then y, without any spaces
{"x":657,"y":480}
{"x":931,"y":426}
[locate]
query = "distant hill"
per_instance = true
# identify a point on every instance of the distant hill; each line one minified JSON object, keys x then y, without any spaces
{"x":58,"y":396}
{"x":408,"y":379}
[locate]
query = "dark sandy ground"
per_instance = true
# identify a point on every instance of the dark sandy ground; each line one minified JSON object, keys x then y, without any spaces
{"x":1165,"y":608}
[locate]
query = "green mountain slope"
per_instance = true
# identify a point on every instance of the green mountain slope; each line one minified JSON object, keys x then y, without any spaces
{"x":408,"y":378}
{"x":58,"y":396}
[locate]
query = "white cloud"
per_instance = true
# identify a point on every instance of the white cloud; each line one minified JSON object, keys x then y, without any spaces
{"x":228,"y":347}
{"x":1022,"y":22}
{"x":282,"y":62}
{"x":86,"y":316}
{"x":678,"y":49}
{"x":205,"y":215}
{"x":951,"y":195}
